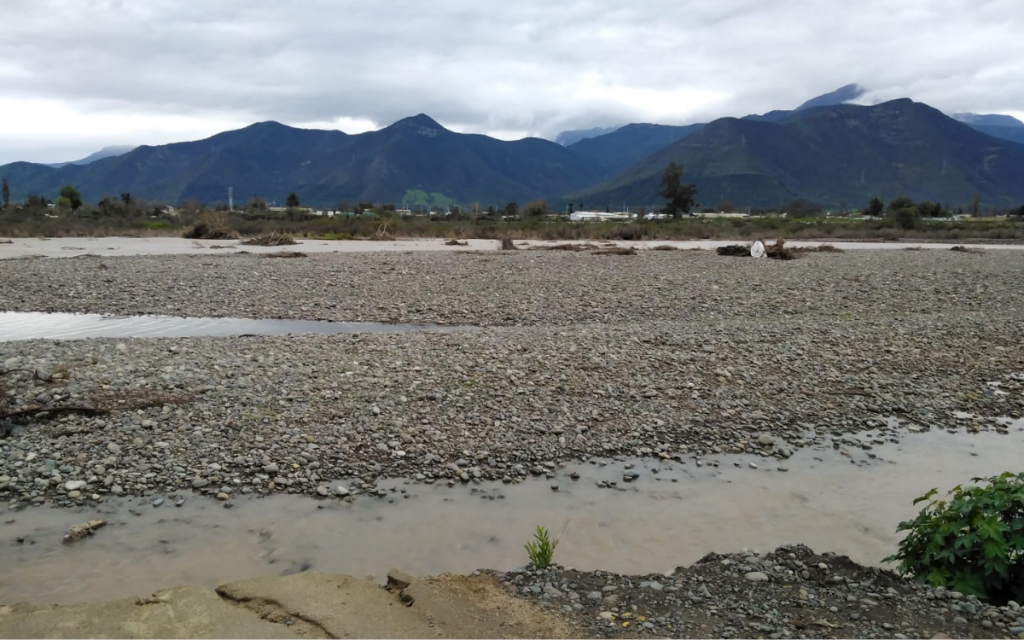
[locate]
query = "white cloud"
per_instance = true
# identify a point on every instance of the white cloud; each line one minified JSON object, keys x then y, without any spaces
{"x":78,"y":75}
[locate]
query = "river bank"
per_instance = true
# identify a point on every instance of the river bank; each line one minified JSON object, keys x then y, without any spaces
{"x":790,"y":592}
{"x":713,"y":374}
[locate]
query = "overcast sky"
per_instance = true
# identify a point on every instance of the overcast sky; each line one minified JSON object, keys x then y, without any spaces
{"x":76,"y":75}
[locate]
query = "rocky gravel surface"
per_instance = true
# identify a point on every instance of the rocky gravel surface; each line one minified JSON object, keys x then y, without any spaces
{"x":765,"y":371}
{"x":523,"y":288}
{"x":788,"y":593}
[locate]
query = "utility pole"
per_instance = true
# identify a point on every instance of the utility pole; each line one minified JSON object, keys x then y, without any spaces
{"x":231,"y":198}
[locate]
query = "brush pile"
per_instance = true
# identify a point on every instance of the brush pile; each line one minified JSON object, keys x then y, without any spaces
{"x":272,"y":239}
{"x":778,"y":251}
{"x":212,"y":225}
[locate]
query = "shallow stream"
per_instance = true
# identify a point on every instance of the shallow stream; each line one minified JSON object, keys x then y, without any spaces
{"x":849,"y":503}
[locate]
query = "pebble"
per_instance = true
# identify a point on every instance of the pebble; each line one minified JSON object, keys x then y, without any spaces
{"x":756,"y":576}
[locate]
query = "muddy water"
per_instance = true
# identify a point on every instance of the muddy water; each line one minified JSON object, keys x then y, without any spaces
{"x":825,"y":499}
{"x":16,"y":325}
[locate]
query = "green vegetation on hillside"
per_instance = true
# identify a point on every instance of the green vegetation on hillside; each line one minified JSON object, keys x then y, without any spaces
{"x":418,"y":197}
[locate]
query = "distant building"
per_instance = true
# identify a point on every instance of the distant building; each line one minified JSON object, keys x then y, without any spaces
{"x":722,"y":214}
{"x":596,"y":216}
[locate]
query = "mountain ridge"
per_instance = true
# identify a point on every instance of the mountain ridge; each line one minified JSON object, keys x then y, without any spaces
{"x":106,"y":152}
{"x":325,"y":167}
{"x":832,"y":155}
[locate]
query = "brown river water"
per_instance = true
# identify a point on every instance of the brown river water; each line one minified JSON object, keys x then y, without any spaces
{"x":849,"y":504}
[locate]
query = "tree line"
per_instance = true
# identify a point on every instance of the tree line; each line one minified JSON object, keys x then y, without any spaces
{"x":680,"y":200}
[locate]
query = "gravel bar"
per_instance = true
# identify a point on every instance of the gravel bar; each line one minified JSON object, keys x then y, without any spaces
{"x":523,"y":288}
{"x":788,"y":593}
{"x":677,"y":355}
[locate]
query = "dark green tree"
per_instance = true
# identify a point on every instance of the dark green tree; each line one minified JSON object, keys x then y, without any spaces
{"x":875,"y":207}
{"x":70,"y":197}
{"x":900,"y":202}
{"x":5,"y":196}
{"x":292,"y":201}
{"x":33,"y":201}
{"x":679,"y":197}
{"x":929,"y":209}
{"x":535,"y":208}
{"x":126,"y":198}
{"x":906,"y":218}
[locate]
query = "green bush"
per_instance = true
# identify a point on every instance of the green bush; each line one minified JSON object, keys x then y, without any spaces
{"x":906,"y":218}
{"x":974,"y":543}
{"x":541,"y":549}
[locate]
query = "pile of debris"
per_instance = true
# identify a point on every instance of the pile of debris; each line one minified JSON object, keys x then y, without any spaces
{"x":778,"y":251}
{"x":272,"y":239}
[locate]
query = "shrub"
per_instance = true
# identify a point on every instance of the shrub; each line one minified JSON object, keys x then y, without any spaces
{"x":213,"y":225}
{"x":974,"y":543}
{"x":541,"y":549}
{"x":906,"y":218}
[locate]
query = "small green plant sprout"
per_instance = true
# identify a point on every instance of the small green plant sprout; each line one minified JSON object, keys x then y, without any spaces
{"x":973,"y":543}
{"x":541,"y":549}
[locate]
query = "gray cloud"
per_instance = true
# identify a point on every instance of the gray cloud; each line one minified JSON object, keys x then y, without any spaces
{"x":530,"y":66}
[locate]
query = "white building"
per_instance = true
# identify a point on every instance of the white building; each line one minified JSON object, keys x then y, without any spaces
{"x":596,"y":216}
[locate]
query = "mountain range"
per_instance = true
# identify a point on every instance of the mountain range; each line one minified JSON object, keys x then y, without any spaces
{"x":831,"y":155}
{"x":619,"y":149}
{"x":824,"y":151}
{"x":415,"y":160}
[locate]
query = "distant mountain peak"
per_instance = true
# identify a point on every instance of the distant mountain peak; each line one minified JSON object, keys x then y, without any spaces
{"x":988,"y":120}
{"x":839,"y":96}
{"x":106,"y":152}
{"x":573,"y":136}
{"x":422,"y":123}
{"x":266,"y":124}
